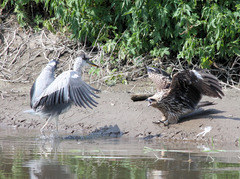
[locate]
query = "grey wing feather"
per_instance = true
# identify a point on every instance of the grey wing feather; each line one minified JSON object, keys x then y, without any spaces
{"x":90,"y":90}
{"x":83,"y":98}
{"x":82,"y":93}
{"x":76,"y":97}
{"x":45,"y":78}
{"x":32,"y":93}
{"x":67,"y":87}
{"x":88,"y":98}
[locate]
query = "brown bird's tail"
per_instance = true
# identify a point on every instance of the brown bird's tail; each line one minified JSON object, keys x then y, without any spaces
{"x":205,"y":103}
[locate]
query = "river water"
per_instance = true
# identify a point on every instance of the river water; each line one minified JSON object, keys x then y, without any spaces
{"x":23,"y":154}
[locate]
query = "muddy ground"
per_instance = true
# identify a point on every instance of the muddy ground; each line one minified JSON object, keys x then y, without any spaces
{"x":134,"y":119}
{"x":23,"y":53}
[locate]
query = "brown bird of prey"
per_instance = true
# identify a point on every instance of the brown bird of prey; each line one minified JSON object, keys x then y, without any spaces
{"x":180,"y":95}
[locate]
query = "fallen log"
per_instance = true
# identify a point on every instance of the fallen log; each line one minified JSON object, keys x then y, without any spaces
{"x":140,"y":97}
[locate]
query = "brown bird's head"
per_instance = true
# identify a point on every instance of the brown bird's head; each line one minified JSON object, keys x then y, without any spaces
{"x":157,"y":72}
{"x":153,"y":100}
{"x":161,"y":78}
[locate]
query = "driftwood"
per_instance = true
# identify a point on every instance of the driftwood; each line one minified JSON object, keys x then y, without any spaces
{"x":140,"y":97}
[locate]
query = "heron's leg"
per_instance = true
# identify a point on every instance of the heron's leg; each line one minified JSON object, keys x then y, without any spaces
{"x":42,"y":129}
{"x":56,"y":119}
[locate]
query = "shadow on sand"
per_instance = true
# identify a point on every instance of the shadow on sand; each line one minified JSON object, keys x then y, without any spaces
{"x":201,"y":113}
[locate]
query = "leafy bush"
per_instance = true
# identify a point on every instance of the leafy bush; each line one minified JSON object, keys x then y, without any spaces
{"x":204,"y":30}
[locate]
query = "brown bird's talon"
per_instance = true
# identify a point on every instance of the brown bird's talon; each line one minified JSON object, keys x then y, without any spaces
{"x":159,"y":122}
{"x":165,"y":123}
{"x":156,"y":122}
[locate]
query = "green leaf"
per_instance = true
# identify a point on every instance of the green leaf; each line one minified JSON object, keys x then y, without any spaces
{"x":205,"y":63}
{"x":236,"y":50}
{"x":219,"y":44}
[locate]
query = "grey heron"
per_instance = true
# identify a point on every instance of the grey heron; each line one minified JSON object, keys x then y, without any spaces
{"x":50,"y":97}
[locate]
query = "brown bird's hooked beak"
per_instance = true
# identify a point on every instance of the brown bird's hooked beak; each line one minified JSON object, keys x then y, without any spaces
{"x":150,"y":101}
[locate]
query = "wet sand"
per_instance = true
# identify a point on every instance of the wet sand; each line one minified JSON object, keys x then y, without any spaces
{"x":221,"y":122}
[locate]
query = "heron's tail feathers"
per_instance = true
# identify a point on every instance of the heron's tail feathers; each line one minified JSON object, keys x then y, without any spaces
{"x":30,"y":111}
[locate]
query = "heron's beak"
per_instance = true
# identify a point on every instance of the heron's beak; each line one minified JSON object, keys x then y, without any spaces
{"x":92,"y":64}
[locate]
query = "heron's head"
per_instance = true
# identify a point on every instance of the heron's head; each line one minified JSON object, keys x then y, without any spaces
{"x":86,"y":60}
{"x":53,"y":63}
{"x":83,"y":60}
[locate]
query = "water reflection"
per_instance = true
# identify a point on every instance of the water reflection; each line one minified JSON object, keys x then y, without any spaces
{"x":44,"y":168}
{"x":29,"y":157}
{"x":49,"y":165}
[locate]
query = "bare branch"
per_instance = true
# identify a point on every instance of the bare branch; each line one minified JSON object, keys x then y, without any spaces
{"x":14,"y":35}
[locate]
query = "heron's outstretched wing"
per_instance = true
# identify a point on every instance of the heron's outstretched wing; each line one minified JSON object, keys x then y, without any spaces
{"x":68,"y":87}
{"x":45,"y":78}
{"x":189,"y":86}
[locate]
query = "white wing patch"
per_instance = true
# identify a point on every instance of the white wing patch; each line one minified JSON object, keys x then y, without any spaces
{"x":75,"y":76}
{"x":197,"y":74}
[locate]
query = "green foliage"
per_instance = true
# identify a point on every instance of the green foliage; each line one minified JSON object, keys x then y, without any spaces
{"x":114,"y":78}
{"x":214,"y":34}
{"x":204,"y":30}
{"x":94,"y":71}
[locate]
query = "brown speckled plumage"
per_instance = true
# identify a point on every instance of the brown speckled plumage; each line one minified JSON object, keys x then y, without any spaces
{"x":161,"y":79}
{"x":183,"y":93}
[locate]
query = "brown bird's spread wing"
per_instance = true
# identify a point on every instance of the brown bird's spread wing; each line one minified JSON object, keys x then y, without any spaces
{"x":208,"y":84}
{"x":189,"y":86}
